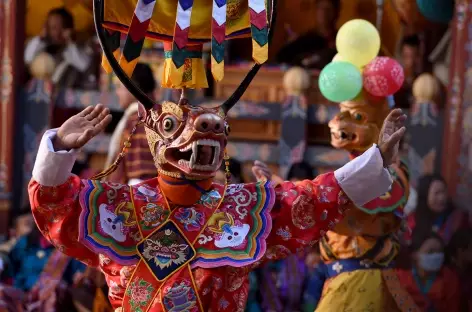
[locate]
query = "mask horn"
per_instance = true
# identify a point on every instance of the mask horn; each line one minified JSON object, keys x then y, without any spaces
{"x":98,"y":7}
{"x":238,"y":93}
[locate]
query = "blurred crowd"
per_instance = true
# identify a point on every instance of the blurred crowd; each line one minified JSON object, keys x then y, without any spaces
{"x":434,"y":265}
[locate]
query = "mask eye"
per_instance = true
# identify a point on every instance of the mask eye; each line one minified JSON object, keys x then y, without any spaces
{"x":227,"y":129}
{"x":357,"y":116}
{"x":169,"y":124}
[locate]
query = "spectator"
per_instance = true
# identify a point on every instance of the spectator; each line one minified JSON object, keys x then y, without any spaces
{"x":57,"y":40}
{"x":316,"y":48}
{"x":410,"y":58}
{"x":434,"y":210}
{"x":432,"y":285}
{"x":459,"y":252}
{"x":138,"y":163}
{"x":40,"y":274}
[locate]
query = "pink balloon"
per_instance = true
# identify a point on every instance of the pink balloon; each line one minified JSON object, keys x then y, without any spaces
{"x":383,"y":76}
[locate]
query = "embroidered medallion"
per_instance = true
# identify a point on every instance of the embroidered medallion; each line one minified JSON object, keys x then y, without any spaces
{"x":235,"y":237}
{"x":166,"y":250}
{"x":210,"y":199}
{"x":139,"y":293}
{"x":191,"y":219}
{"x":180,"y":297}
{"x":153,"y":215}
{"x":107,"y":221}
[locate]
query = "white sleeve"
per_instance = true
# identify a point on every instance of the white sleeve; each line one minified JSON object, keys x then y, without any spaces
{"x":364,"y":178}
{"x":52,"y":168}
{"x":76,"y":57}
{"x":33,"y":48}
{"x":134,"y":181}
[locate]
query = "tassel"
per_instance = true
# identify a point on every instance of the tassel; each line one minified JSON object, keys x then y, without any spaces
{"x":114,"y":165}
{"x":190,"y":75}
{"x":136,"y":35}
{"x":181,"y":30}
{"x":259,"y":31}
{"x":218,"y":34}
{"x":112,"y":40}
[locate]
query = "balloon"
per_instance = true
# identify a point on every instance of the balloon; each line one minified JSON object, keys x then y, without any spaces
{"x":358,"y":42}
{"x":383,"y":76}
{"x":340,"y":81}
{"x":440,"y":11}
{"x":338,"y":58}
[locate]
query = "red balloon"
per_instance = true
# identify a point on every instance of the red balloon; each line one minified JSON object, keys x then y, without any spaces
{"x":383,"y":76}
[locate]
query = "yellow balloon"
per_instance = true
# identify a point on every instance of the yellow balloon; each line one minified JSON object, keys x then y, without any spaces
{"x":358,"y":42}
{"x":338,"y":58}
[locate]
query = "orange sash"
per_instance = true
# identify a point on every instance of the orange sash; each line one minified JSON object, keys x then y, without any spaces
{"x":166,"y":253}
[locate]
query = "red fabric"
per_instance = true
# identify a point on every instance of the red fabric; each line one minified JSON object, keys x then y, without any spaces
{"x":301,"y":215}
{"x":444,"y":295}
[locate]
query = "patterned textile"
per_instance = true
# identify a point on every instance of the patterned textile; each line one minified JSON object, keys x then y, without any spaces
{"x":367,"y":235}
{"x":445,"y":226}
{"x":441,"y":295}
{"x":282,"y":289}
{"x":138,"y":162}
{"x":235,"y":235}
{"x":27,"y":262}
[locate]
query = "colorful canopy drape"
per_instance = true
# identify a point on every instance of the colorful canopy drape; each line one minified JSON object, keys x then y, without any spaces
{"x":184,"y":25}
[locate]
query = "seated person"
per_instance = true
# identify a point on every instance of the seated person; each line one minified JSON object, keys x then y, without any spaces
{"x":459,"y":251}
{"x":40,"y":275}
{"x":316,"y":48}
{"x":435,"y":210}
{"x":56,"y":39}
{"x":432,"y":285}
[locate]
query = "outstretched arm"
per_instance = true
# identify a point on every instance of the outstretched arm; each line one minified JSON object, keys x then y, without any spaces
{"x":306,"y":210}
{"x":54,"y":191}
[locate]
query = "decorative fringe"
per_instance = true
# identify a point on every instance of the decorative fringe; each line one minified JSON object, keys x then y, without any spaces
{"x":112,"y":40}
{"x":217,"y":69}
{"x":218,"y":34}
{"x":190,"y":75}
{"x":259,"y":30}
{"x":114,"y":165}
{"x":136,"y":35}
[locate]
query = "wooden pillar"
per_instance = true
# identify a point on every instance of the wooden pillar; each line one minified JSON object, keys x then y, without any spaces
{"x":457,"y":146}
{"x":12,"y":13}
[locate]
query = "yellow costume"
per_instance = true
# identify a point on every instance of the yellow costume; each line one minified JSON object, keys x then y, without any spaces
{"x":360,"y":250}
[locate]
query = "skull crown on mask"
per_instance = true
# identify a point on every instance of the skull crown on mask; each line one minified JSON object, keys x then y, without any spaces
{"x":186,"y":141}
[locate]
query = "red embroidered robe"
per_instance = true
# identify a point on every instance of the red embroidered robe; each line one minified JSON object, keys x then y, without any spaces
{"x":102,"y":224}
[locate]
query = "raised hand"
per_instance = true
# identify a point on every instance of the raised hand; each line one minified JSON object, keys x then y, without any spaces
{"x":390,"y":135}
{"x":262,"y":172}
{"x":80,"y":128}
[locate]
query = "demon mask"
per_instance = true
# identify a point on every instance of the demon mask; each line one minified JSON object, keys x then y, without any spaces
{"x":186,"y":141}
{"x":357,"y":126}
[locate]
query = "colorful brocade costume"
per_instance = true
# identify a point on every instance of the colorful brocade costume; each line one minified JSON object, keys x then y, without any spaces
{"x":195,"y":257}
{"x":359,"y":252}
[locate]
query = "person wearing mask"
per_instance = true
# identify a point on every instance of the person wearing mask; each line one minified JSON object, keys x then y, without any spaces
{"x":433,"y":286}
{"x":57,"y":40}
{"x":459,"y":252}
{"x":138,"y":163}
{"x":435,"y":210}
{"x":316,"y":48}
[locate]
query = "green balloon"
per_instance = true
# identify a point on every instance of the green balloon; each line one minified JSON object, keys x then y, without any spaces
{"x":340,"y":81}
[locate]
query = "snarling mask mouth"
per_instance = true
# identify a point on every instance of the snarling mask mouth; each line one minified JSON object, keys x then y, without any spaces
{"x":187,"y":141}
{"x":357,"y":126}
